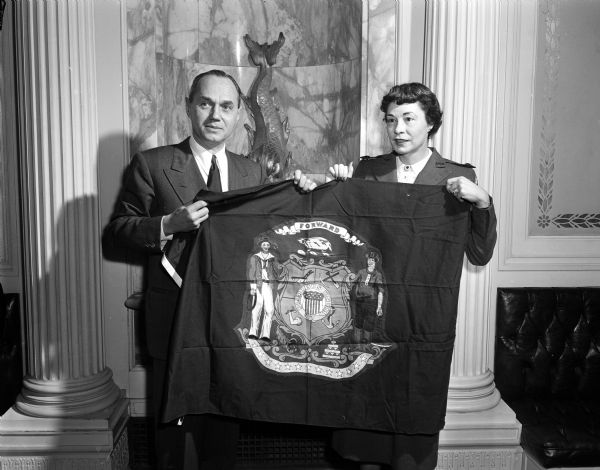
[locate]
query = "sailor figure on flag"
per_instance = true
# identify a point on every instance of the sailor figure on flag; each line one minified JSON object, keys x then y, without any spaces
{"x":264,"y":272}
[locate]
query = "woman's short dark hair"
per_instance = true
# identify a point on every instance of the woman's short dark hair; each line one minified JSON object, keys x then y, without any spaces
{"x":217,"y":73}
{"x":416,"y":93}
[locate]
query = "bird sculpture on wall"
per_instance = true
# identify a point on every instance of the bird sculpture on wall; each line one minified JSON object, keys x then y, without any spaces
{"x":268,"y":140}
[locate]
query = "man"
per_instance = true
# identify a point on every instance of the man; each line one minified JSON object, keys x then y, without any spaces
{"x":155,"y":203}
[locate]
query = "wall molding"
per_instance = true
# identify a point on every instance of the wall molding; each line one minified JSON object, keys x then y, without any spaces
{"x":518,"y":249}
{"x":545,"y":217}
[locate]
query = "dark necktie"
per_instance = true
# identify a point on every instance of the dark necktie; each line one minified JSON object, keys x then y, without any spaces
{"x":214,"y":177}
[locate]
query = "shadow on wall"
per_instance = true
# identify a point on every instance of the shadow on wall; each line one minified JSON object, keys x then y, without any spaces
{"x":11,"y":360}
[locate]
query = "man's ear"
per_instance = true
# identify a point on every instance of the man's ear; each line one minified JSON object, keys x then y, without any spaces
{"x":187,"y":106}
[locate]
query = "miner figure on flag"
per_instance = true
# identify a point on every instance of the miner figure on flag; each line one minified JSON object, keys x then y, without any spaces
{"x":264,"y":273}
{"x":367,"y":299}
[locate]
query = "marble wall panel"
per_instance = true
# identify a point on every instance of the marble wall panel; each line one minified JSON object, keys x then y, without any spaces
{"x":211,"y":31}
{"x":317,"y":75}
{"x":142,"y":76}
{"x":380,"y":30}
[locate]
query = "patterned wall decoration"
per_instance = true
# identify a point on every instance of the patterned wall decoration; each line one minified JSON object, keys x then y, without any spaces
{"x":317,"y":76}
{"x":567,"y":120}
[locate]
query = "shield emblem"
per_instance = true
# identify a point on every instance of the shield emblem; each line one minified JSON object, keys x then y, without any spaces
{"x":313,"y":302}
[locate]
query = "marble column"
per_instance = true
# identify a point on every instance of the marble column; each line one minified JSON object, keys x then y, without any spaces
{"x":70,"y":413}
{"x":463,"y":63}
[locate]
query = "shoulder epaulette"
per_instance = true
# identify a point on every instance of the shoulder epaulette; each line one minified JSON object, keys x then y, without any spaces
{"x":464,"y":165}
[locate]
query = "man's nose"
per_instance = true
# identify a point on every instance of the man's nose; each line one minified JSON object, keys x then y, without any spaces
{"x":215,"y":113}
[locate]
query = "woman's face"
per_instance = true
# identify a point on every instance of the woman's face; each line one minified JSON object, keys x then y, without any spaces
{"x":407,"y":128}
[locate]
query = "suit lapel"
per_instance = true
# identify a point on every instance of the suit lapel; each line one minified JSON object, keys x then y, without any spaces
{"x":435,"y":170}
{"x":184,"y":176}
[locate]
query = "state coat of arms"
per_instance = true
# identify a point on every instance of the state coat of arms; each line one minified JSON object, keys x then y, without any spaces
{"x":315,"y":301}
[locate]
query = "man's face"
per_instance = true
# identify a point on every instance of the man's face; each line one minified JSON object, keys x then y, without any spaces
{"x":370,"y":263}
{"x":213,"y":111}
{"x":265,"y":246}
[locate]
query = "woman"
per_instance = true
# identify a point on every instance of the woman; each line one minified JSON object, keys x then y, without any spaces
{"x":412,"y":115}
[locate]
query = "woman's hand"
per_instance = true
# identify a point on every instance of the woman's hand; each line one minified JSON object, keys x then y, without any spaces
{"x":464,"y":189}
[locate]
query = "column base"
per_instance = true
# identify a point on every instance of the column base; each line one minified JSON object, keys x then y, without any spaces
{"x":484,"y":440}
{"x":94,"y":442}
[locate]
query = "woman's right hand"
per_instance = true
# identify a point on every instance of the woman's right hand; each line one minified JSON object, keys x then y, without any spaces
{"x":341,"y":172}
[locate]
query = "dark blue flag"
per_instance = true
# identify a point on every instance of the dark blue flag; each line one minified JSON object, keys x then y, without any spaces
{"x":332,"y":308}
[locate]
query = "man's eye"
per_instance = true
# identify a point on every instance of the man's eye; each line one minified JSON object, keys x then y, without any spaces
{"x":228,"y":107}
{"x":204,"y":105}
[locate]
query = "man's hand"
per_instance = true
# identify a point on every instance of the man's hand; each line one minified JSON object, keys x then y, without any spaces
{"x":185,"y":218}
{"x":303,"y":182}
{"x":464,"y":189}
{"x":340,"y":172}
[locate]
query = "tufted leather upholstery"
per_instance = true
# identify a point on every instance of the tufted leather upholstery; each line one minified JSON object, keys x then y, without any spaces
{"x":547,"y":368}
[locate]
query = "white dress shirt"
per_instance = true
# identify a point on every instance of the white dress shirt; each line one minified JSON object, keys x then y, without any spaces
{"x":408,"y":173}
{"x":203,"y":159}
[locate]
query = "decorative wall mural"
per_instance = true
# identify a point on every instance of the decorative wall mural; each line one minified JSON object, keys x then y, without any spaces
{"x":317,"y":73}
{"x":559,"y":122}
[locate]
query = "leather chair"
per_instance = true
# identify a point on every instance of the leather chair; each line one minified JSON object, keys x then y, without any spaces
{"x":11,"y":362}
{"x":547,"y":368}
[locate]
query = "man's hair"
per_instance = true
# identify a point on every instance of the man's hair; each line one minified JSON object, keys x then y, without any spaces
{"x":416,"y":93}
{"x":217,"y":73}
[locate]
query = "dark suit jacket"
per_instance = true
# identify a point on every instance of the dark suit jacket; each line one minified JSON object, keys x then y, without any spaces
{"x":482,"y":233}
{"x":157,"y":182}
